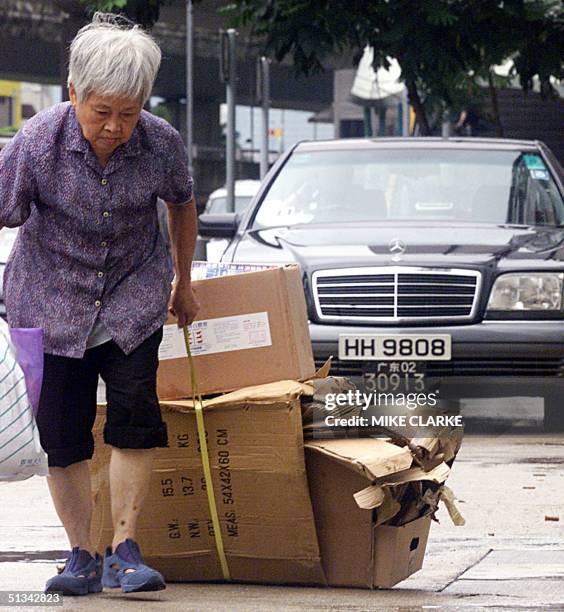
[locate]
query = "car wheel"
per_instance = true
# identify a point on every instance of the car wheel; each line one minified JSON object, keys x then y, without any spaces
{"x":553,"y":413}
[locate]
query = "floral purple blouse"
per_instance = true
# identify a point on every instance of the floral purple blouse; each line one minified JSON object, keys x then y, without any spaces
{"x":89,"y":245}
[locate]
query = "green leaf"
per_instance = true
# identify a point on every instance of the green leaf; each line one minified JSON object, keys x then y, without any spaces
{"x":104,"y":5}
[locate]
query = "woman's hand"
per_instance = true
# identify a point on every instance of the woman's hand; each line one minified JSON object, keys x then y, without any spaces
{"x":184,"y":304}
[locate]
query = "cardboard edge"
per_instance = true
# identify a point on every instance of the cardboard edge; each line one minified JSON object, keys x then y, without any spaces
{"x":267,"y":393}
{"x":439,"y":474}
{"x":322,"y":372}
{"x":355,"y":465}
{"x":295,"y":297}
{"x":424,"y":522}
{"x":283,"y":303}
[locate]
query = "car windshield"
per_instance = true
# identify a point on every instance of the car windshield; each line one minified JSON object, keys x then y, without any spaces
{"x":502,"y":187}
{"x":219,"y":205}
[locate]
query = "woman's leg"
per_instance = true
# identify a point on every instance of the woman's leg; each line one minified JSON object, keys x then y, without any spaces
{"x":70,"y":491}
{"x":130,"y":474}
{"x":134,"y":428}
{"x":67,"y":409}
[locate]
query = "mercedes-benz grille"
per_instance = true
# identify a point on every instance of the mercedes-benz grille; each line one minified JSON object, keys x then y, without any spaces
{"x":395,"y":294}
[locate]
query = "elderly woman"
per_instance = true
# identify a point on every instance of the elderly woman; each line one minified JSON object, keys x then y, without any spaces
{"x":89,"y":267}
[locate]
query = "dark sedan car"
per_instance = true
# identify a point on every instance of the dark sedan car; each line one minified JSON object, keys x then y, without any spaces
{"x":427,"y":263}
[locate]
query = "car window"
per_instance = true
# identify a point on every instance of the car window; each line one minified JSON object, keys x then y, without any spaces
{"x":535,"y":198}
{"x":219,"y":205}
{"x":366,"y":185}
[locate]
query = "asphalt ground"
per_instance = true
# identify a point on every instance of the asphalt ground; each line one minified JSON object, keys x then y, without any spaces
{"x":508,"y":478}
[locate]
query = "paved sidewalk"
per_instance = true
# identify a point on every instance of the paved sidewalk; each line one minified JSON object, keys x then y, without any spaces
{"x":506,"y":557}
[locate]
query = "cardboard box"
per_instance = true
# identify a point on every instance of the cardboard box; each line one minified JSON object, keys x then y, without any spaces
{"x":256,"y":453}
{"x":399,"y":551}
{"x":252,"y":329}
{"x":356,"y":550}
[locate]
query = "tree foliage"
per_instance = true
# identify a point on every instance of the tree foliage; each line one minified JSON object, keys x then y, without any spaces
{"x":445,"y":48}
{"x":530,"y":33}
{"x":143,"y":12}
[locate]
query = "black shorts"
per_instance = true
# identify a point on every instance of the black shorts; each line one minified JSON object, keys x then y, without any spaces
{"x":67,"y":407}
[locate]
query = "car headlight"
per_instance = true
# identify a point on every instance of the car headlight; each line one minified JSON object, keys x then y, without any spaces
{"x":531,"y":291}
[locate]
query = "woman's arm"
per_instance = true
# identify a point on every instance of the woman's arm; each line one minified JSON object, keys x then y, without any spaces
{"x":183,"y":231}
{"x":17,"y":182}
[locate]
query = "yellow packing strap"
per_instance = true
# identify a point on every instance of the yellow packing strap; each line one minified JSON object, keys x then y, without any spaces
{"x":199,"y":408}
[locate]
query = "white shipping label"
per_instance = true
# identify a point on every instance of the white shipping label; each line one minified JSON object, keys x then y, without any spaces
{"x":217,"y":336}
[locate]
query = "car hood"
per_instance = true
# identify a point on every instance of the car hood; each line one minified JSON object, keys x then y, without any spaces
{"x":432,"y":244}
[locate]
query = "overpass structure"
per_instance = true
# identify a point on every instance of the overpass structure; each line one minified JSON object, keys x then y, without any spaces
{"x":34,"y":38}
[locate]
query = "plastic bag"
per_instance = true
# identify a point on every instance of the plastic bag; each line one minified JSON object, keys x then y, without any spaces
{"x":21,"y":455}
{"x":28,"y":344}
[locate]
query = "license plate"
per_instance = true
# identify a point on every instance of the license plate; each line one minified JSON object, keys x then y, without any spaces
{"x":395,"y":347}
{"x":386,"y":376}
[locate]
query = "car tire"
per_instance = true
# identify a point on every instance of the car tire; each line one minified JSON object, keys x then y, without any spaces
{"x":553,"y":413}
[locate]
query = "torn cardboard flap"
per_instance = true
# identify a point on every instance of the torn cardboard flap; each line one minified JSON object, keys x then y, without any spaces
{"x":378,"y":497}
{"x":447,"y":497}
{"x":323,"y":371}
{"x":373,"y":458}
{"x":438,"y":475}
{"x":445,"y":443}
{"x":370,"y":497}
{"x":373,"y":496}
{"x":270,"y":393}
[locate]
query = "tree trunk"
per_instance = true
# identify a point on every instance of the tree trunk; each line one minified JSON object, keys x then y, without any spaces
{"x":415,"y":101}
{"x":495,"y":106}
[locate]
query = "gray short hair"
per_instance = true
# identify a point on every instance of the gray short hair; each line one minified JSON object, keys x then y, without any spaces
{"x":112,"y":57}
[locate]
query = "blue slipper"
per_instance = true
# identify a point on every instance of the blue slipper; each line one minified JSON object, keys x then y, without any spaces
{"x":127,"y":556}
{"x":81,"y":575}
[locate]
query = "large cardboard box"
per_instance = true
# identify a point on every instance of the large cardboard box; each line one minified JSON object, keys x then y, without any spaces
{"x":356,"y":548}
{"x":252,"y":328}
{"x":258,"y":471}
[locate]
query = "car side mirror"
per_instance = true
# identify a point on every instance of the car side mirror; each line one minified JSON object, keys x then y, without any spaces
{"x":215,"y":225}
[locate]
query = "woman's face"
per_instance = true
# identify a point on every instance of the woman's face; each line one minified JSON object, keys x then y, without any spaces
{"x":106,"y":121}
